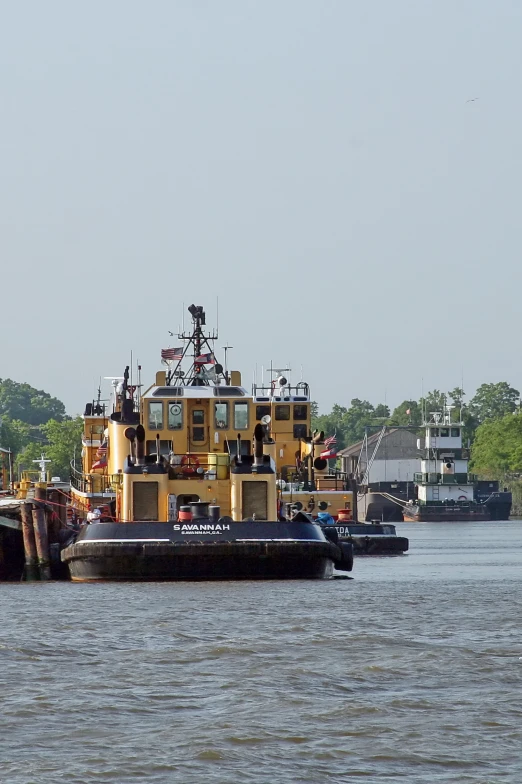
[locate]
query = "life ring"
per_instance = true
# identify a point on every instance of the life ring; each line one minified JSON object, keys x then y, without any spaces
{"x":189,"y":465}
{"x":462,"y":498}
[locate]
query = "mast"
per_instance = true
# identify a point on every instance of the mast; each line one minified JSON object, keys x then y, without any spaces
{"x":200,"y":346}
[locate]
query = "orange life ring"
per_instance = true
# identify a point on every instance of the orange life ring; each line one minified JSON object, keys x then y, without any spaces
{"x":189,"y":465}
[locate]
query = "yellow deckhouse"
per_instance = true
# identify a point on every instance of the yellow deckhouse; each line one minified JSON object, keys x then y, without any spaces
{"x":306,"y":480}
{"x":188,"y":439}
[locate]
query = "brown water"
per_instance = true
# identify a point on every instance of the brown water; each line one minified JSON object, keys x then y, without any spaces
{"x":411,"y":672}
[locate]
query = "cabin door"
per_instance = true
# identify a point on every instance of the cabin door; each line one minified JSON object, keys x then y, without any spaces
{"x":199,"y":425}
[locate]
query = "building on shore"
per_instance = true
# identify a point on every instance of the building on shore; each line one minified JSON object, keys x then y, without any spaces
{"x":395,"y":452}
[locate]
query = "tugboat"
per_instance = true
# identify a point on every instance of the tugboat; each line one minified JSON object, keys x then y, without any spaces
{"x":445,"y":489}
{"x":307,"y":483}
{"x":191,"y":499}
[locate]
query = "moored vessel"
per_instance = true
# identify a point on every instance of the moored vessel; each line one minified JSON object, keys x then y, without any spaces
{"x":444,"y":488}
{"x":307,"y":481}
{"x":193,"y":482}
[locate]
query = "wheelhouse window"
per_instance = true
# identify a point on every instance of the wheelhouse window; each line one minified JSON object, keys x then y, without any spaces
{"x":175,"y":416}
{"x":282,"y":413}
{"x":165,"y":447}
{"x":455,"y":432}
{"x":299,"y":431}
{"x":434,"y":432}
{"x":155,"y":415}
{"x":240,"y":416}
{"x":221,"y":416}
{"x":444,"y":432}
{"x":300,"y":413}
{"x":262,"y":411}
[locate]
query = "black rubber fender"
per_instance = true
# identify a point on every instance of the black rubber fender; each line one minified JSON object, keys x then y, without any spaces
{"x":345,"y":563}
{"x":330,"y":532}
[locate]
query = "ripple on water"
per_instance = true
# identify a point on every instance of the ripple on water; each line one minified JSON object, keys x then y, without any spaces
{"x":412,"y":672}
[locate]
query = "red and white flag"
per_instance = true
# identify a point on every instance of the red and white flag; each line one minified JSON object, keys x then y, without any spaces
{"x":329,"y":454}
{"x":205,"y":359}
{"x":172,"y":354}
{"x":330,"y":441}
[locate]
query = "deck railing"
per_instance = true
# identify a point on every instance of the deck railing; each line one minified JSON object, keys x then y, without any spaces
{"x":89,"y":483}
{"x":445,"y":479}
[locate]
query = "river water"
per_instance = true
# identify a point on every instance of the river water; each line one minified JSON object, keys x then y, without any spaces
{"x":410,"y":672}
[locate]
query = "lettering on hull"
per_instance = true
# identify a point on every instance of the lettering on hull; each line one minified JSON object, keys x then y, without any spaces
{"x":203,"y":528}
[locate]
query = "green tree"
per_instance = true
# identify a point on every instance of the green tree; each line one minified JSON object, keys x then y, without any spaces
{"x":65,"y":439}
{"x":381,"y":411}
{"x":61,"y":441}
{"x":14,"y":435}
{"x":497,"y":448}
{"x":24,"y":402}
{"x":493,"y":401}
{"x":332,"y":423}
{"x":407,"y":413}
{"x":433,"y":402}
{"x":359,"y":416}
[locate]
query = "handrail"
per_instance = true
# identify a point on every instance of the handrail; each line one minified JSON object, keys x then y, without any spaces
{"x":89,"y":483}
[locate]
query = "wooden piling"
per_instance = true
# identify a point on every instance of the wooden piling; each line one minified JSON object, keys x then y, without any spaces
{"x":31,"y":557}
{"x":42,"y":542}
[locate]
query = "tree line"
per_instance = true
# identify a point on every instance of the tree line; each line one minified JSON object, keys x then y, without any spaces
{"x":490,"y":427}
{"x":33,"y":422}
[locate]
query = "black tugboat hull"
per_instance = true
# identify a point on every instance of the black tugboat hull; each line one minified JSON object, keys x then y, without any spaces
{"x":368,"y":539}
{"x":200,"y":551}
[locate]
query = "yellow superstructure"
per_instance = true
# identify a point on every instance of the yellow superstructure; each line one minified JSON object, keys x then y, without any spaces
{"x":187,"y":439}
{"x":305,"y":479}
{"x":200,"y":437}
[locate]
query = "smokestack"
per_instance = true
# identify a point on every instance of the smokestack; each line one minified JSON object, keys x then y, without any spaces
{"x":258,"y":444}
{"x":140,"y":445}
{"x":130,"y":434}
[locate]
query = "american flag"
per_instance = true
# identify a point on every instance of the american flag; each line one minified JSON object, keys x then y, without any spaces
{"x":205,"y":359}
{"x":330,"y":441}
{"x":172,"y":353}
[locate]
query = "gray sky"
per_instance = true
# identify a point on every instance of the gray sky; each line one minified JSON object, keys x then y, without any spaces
{"x":318,"y":165}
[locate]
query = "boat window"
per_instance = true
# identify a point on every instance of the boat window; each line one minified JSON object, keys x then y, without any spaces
{"x":282,"y":412}
{"x":175,"y":416}
{"x":434,"y":432}
{"x":300,"y":412}
{"x":444,"y":432}
{"x":155,"y":416}
{"x":240,"y":416}
{"x":299,"y":431}
{"x":96,"y":428}
{"x":165,"y":447}
{"x":228,"y":392}
{"x":262,"y":411}
{"x":198,"y":416}
{"x":455,"y":432}
{"x":168,"y":392}
{"x":221,"y":415}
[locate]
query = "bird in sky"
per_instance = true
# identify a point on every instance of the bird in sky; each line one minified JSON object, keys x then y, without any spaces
{"x":470,"y":100}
